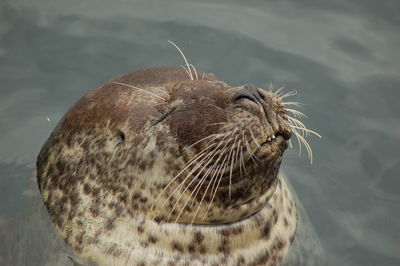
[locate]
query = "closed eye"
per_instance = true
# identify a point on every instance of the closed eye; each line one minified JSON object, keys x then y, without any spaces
{"x":163,"y":116}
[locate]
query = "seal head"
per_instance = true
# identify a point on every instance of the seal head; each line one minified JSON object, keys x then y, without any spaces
{"x":154,"y":152}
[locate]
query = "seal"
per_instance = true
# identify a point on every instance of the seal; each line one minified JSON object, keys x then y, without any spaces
{"x":170,"y":166}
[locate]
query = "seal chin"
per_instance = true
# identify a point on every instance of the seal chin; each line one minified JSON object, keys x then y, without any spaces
{"x":273,"y":147}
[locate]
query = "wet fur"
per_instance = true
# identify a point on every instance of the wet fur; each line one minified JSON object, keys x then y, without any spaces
{"x":117,"y":179}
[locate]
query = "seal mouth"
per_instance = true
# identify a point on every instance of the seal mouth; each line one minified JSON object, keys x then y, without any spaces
{"x":267,"y":152}
{"x":277,"y":143}
{"x":276,"y":139}
{"x":271,"y":139}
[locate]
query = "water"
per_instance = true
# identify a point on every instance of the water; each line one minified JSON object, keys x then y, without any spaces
{"x":341,"y":56}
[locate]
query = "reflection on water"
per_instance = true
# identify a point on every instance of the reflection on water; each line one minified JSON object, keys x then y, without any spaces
{"x":343,"y":58}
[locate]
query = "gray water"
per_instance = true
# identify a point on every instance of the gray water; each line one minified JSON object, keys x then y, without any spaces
{"x":342,"y":57}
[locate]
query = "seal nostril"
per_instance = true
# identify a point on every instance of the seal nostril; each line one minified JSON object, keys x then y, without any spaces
{"x":249,"y":92}
{"x":262,"y":94}
{"x":121,"y":137}
{"x":240,"y":96}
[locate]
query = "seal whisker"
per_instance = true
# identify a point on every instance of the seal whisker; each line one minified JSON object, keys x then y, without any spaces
{"x":184,"y":58}
{"x":242,"y":160}
{"x":292,"y":103}
{"x":213,"y":196}
{"x":213,"y":105}
{"x":200,"y":182}
{"x":231,"y":169}
{"x":245,"y":141}
{"x":133,"y":87}
{"x":197,"y":142}
{"x":160,"y":90}
{"x":192,"y":161}
{"x":254,"y":139}
{"x":215,"y":182}
{"x":215,"y":192}
{"x":241,"y":154}
{"x":197,"y":188}
{"x":212,"y":154}
{"x":203,"y":154}
{"x":198,"y":165}
{"x":195,"y":71}
{"x":252,"y":155}
{"x":298,"y":139}
{"x":205,"y":192}
{"x":303,"y":141}
{"x":237,"y":159}
{"x":297,"y":121}
{"x":223,"y":171}
{"x":270,"y":86}
{"x":296,"y":113}
{"x":288,"y":94}
{"x":219,"y":123}
{"x":307,"y":145}
{"x":306,"y":130}
{"x":297,"y":124}
{"x":187,"y":72}
{"x":279,"y":90}
{"x":187,"y":186}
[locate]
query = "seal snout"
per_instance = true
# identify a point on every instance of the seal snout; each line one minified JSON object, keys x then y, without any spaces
{"x":265,"y":105}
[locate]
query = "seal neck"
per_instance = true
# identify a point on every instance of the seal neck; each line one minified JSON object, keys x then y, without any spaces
{"x":250,"y":208}
{"x":270,"y":229}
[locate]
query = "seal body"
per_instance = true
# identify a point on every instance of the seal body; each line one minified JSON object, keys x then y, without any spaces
{"x":157,"y":167}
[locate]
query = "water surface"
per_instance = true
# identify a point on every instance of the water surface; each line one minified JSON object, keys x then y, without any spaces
{"x":342,"y":57}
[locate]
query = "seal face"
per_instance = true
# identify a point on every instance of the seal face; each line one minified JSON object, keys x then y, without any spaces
{"x":154,"y":167}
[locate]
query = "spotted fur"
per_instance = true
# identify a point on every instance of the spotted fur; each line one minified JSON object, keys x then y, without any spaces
{"x":117,"y":179}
